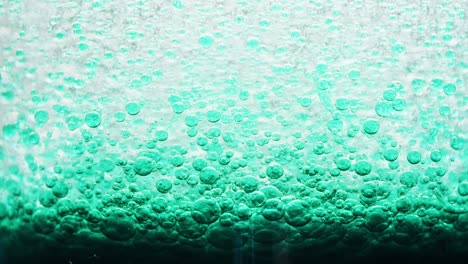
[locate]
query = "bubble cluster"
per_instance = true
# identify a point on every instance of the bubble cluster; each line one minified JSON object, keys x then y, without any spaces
{"x":233,"y":127}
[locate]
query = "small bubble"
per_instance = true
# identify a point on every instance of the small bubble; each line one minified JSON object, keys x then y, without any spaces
{"x":133,"y":108}
{"x":93,"y":119}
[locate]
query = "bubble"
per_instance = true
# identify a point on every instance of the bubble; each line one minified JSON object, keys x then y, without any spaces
{"x":363,"y":167}
{"x":191,"y":121}
{"x":199,"y":164}
{"x":159,"y":204}
{"x":383,"y":109}
{"x":249,"y":184}
{"x":463,"y":189}
{"x":143,"y":166}
{"x":296,"y":214}
{"x":65,"y":207}
{"x":213,"y":116}
{"x":257,"y":198}
{"x":47,"y":199}
{"x":407,"y":229}
{"x":167,"y":219}
{"x":243,"y":211}
{"x":431,"y":217}
{"x":343,"y":164}
{"x":457,"y":143}
{"x":403,"y":204}
{"x":376,"y":219}
{"x":106,"y":165}
{"x":44,"y":221}
{"x":161,"y":135}
{"x":271,"y":191}
{"x":93,"y":119}
{"x":389,"y":95}
{"x":94,"y":216}
{"x":399,"y":104}
{"x":409,"y":179}
{"x":274,"y":171}
{"x":413,"y":157}
{"x":436,"y":156}
{"x":163,"y":185}
{"x":273,"y":209}
{"x":449,"y":89}
{"x":41,"y":117}
{"x":60,"y":189}
{"x":206,"y":41}
{"x":187,"y":227}
{"x":119,"y":116}
{"x":224,"y":237}
{"x":267,"y":232}
{"x":354,"y":75}
{"x":70,"y":224}
{"x":209,"y":175}
{"x":133,"y":108}
{"x":371,"y":126}
{"x":418,"y":85}
{"x":73,"y":122}
{"x":118,"y":225}
{"x":206,"y":211}
{"x":391,"y":154}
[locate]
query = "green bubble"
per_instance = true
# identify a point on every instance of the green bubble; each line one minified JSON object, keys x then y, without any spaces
{"x":41,"y":117}
{"x":133,"y":108}
{"x":106,"y":165}
{"x":409,"y":179}
{"x":119,"y":116}
{"x":199,"y":164}
{"x":206,"y":41}
{"x":163,"y":185}
{"x":205,"y":211}
{"x":398,"y":49}
{"x":209,"y":175}
{"x":371,"y":126}
{"x":273,"y":209}
{"x":213,"y":116}
{"x":191,"y":121}
{"x":354,"y":75}
{"x":74,"y":122}
{"x":436,"y":155}
{"x":457,"y":143}
{"x":389,"y":95}
{"x":383,"y":109}
{"x":363,"y":167}
{"x":118,"y":225}
{"x":83,"y":46}
{"x":413,"y":157}
{"x":177,"y":160}
{"x":161,"y":135}
{"x":9,"y":130}
{"x":274,"y":171}
{"x":178,"y":108}
{"x":252,"y":43}
{"x":449,"y":89}
{"x":143,"y":166}
{"x":463,"y":189}
{"x":249,"y":184}
{"x":399,"y":104}
{"x":343,"y":164}
{"x":60,"y":189}
{"x":418,"y":85}
{"x":44,"y":221}
{"x":305,"y":102}
{"x":390,"y":154}
{"x":93,"y":119}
